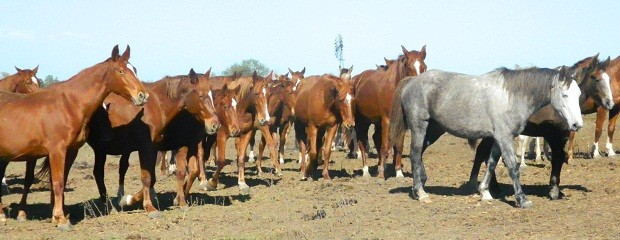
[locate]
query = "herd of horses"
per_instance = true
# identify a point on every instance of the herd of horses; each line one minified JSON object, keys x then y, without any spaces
{"x":193,"y":115}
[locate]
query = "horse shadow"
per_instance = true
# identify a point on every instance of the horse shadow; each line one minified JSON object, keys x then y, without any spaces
{"x":16,"y":185}
{"x":390,"y":172}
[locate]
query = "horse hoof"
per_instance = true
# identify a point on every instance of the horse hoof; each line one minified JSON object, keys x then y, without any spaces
{"x":204,"y":186}
{"x":125,"y":201}
{"x":244,"y":189}
{"x":2,"y":218}
{"x":399,"y":174}
{"x":155,"y":214}
{"x":279,"y":174}
{"x":65,"y":227}
{"x":175,"y":201}
{"x":209,"y":186}
{"x":526,"y":204}
{"x":21,"y":218}
{"x":486,"y":195}
{"x":171,"y":169}
{"x":425,"y":199}
{"x":522,"y":166}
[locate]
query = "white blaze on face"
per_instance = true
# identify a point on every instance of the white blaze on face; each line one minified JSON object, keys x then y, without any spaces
{"x":416,"y":65}
{"x":296,"y":83}
{"x":348,"y":98}
{"x":234,"y":104}
{"x":104,"y":106}
{"x":607,"y":80}
{"x":210,"y":94}
{"x":267,"y":117}
{"x":130,"y":67}
{"x":34,"y":80}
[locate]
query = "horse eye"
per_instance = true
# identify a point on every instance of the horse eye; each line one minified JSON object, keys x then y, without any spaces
{"x":564,"y":95}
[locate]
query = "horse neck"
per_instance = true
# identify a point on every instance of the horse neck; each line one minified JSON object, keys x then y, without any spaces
{"x":396,"y":73}
{"x":86,"y":90}
{"x":245,"y":102}
{"x":170,"y":104}
{"x":6,"y":84}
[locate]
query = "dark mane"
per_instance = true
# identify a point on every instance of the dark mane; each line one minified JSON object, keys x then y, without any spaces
{"x":532,"y":83}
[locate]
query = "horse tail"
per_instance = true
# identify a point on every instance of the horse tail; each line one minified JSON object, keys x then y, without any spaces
{"x":398,"y":123}
{"x":472,"y":143}
{"x":44,"y":172}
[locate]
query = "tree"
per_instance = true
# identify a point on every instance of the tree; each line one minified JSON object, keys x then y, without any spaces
{"x":247,"y":67}
{"x":338,"y":48}
{"x":4,"y":74}
{"x":49,"y":79}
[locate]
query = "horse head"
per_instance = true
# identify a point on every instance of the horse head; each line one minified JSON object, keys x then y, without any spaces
{"x":593,"y":80}
{"x":25,"y":81}
{"x":414,"y":61}
{"x":343,"y":99}
{"x":346,"y":73}
{"x":297,"y":76}
{"x":121,"y":77}
{"x":226,"y":108}
{"x":565,"y":95}
{"x":197,"y":99}
{"x":259,"y":98}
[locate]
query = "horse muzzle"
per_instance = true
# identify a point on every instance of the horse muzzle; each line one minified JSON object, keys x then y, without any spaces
{"x":576,"y":126}
{"x":212,"y":128}
{"x":263,"y":122}
{"x":608,"y":104}
{"x":140,"y":99}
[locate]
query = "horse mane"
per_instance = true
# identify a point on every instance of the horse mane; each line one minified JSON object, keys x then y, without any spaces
{"x":533,"y":83}
{"x":244,"y":84}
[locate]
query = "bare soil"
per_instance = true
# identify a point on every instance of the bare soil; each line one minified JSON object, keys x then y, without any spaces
{"x":349,"y":206}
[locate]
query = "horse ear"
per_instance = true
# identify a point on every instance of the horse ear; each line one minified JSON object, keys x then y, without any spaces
{"x":562,"y":75}
{"x":605,"y":64}
{"x":126,"y":54}
{"x":270,"y":76}
{"x":254,"y":76}
{"x":351,"y":69}
{"x":114,"y":53}
{"x":208,"y":73}
{"x":286,"y":76}
{"x":193,"y":78}
{"x":404,"y":49}
{"x":35,"y":69}
{"x":303,"y":71}
{"x":423,"y":52}
{"x":18,"y":70}
{"x":291,"y":71}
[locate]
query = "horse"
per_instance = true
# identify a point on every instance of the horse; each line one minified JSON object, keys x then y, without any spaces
{"x":296,"y":77}
{"x":322,"y":103}
{"x":611,"y":74}
{"x":375,"y":90}
{"x":186,"y":136}
{"x":280,"y":99}
{"x":24,"y":81}
{"x":546,"y":123}
{"x":59,"y":134}
{"x":494,"y":105}
{"x":252,"y":113}
{"x":345,"y":139}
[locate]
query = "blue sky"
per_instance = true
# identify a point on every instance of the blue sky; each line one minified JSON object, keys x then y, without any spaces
{"x":170,"y":37}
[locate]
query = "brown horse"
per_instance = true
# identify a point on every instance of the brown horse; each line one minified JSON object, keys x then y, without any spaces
{"x":252,"y":112}
{"x":321,"y":104}
{"x":140,"y":129}
{"x":60,"y":133}
{"x":375,"y":90}
{"x":24,"y":81}
{"x":296,"y":77}
{"x":280,"y":99}
{"x":611,"y":74}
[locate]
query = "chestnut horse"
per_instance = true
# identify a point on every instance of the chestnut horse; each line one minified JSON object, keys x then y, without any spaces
{"x":252,"y":112}
{"x":322,"y":103}
{"x":60,"y":133}
{"x":185,"y":136}
{"x":373,"y":105}
{"x":280,"y":99}
{"x":546,"y":123}
{"x":24,"y":81}
{"x":611,"y":74}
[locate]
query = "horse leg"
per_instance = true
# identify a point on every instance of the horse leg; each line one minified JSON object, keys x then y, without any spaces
{"x":557,"y":160}
{"x":242,"y":144}
{"x":252,"y":141}
{"x":147,"y":175}
{"x":571,"y":145}
{"x":220,"y":159}
{"x":361,"y":132}
{"x":523,"y":146}
{"x":193,"y":171}
{"x":537,"y":150}
{"x":123,"y":165}
{"x":311,"y":130}
{"x":506,"y":146}
{"x":99,"y":174}
{"x":352,"y":144}
{"x":3,"y":165}
{"x":331,"y":131}
{"x":173,"y":162}
{"x":385,"y":146}
{"x":261,"y":150}
{"x":600,"y":119}
{"x":489,"y":147}
{"x":207,"y":144}
{"x":161,"y":159}
{"x":483,"y":151}
{"x":418,"y":136}
{"x":273,"y":152}
{"x":30,"y":166}
{"x":611,"y":128}
{"x":181,"y":157}
{"x":57,"y":172}
{"x":283,"y":130}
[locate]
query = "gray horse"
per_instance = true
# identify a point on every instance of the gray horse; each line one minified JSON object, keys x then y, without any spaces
{"x":496,"y":104}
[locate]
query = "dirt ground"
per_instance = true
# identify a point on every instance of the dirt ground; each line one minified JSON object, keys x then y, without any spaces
{"x":349,"y":206}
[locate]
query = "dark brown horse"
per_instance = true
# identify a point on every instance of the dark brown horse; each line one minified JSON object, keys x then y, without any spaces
{"x":322,"y":103}
{"x":141,"y":129}
{"x":280,"y":99}
{"x":548,"y":124}
{"x":611,"y":74}
{"x":252,"y":112}
{"x":373,"y":105}
{"x":60,"y":133}
{"x":185,"y":136}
